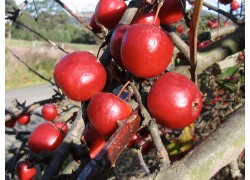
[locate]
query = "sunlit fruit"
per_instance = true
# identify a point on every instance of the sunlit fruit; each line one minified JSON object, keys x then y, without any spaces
{"x":171,"y":12}
{"x":115,"y":44}
{"x":49,"y":112}
{"x":80,"y":75}
{"x":146,"y":50}
{"x":45,"y":137}
{"x":105,"y":110}
{"x":24,"y":172}
{"x":109,"y":12}
{"x":174,"y":101}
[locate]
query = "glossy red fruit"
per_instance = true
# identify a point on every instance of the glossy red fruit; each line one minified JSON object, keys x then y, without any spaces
{"x":234,"y":5}
{"x":62,"y":126}
{"x":80,"y":75}
{"x":45,"y":137}
{"x":171,"y":12}
{"x":212,"y":24}
{"x":104,"y":110}
{"x":225,"y":1}
{"x":146,"y":50}
{"x":95,"y":27}
{"x":49,"y":112}
{"x":24,"y":119}
{"x":23,"y":172}
{"x":94,"y":141}
{"x":109,"y":12}
{"x":174,"y":101}
{"x":10,"y":123}
{"x":115,"y":44}
{"x":146,"y":18}
{"x":179,"y":28}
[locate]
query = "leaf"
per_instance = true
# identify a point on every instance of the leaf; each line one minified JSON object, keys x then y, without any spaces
{"x":228,"y":72}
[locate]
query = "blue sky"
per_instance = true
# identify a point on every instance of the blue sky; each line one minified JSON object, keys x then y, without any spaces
{"x":89,"y":5}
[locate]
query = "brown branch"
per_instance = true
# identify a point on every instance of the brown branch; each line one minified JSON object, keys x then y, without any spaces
{"x":228,"y":15}
{"x":219,"y":149}
{"x":32,"y":70}
{"x":162,"y":154}
{"x":78,"y":18}
{"x":193,"y":39}
{"x":145,"y":114}
{"x":49,"y":41}
{"x":142,"y":162}
{"x":99,"y":166}
{"x":61,"y":153}
{"x":30,"y":108}
{"x":217,"y":51}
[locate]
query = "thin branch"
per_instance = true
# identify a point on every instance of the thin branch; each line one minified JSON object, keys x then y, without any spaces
{"x":32,"y":70}
{"x":78,"y":18}
{"x":230,"y":16}
{"x":15,"y":132}
{"x":162,"y":154}
{"x":145,"y":114}
{"x":30,"y":108}
{"x":193,"y":39}
{"x":49,"y":41}
{"x":142,"y":162}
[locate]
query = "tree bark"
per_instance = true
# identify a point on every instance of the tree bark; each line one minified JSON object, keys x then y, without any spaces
{"x":219,"y":149}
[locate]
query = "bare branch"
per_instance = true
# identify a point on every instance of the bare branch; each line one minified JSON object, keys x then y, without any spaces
{"x":49,"y":41}
{"x":230,"y":16}
{"x":32,"y":70}
{"x":78,"y":18}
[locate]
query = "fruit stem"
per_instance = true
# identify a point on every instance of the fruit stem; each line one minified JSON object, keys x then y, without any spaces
{"x":122,"y":89}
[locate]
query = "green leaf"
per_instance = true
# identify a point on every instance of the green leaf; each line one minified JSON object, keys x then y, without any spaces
{"x":227,"y":72}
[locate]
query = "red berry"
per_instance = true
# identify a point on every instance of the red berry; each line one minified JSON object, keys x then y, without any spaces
{"x":45,"y":137}
{"x":146,"y":18}
{"x":179,"y":29}
{"x":49,"y":112}
{"x":23,"y":172}
{"x":115,"y":44}
{"x":24,"y":119}
{"x":109,"y":12}
{"x":146,"y":50}
{"x":171,"y":12}
{"x":174,"y":101}
{"x":80,"y":75}
{"x":212,"y":24}
{"x":95,"y":27}
{"x":234,"y":5}
{"x":104,"y":110}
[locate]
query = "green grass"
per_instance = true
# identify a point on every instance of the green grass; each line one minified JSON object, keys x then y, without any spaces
{"x":17,"y":75}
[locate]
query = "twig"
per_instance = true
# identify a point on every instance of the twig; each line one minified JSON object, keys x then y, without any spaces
{"x":230,"y":16}
{"x":15,"y":132}
{"x":193,"y":39}
{"x":122,"y":89}
{"x":144,"y":111}
{"x":30,"y":108}
{"x":16,"y":12}
{"x":49,"y":41}
{"x":78,"y":18}
{"x":162,"y":154}
{"x":142,"y":162}
{"x":32,"y":70}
